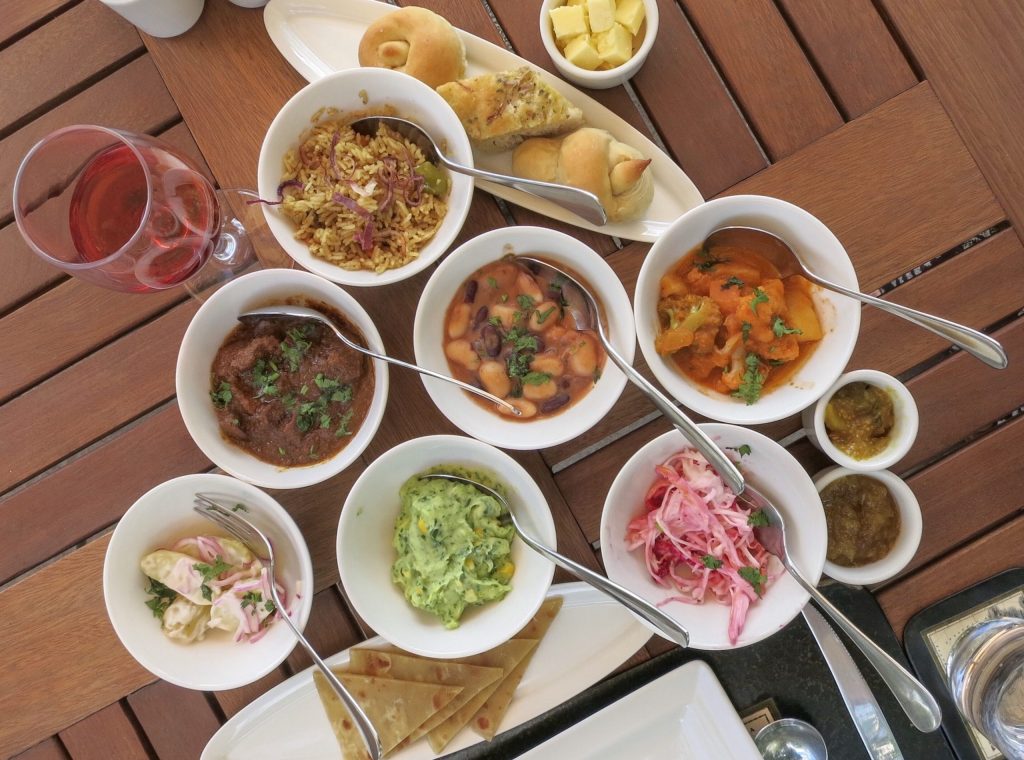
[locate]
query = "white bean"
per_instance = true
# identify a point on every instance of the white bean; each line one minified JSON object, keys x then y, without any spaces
{"x":583,"y":356}
{"x":458,"y":323}
{"x":550,"y":365}
{"x":544,"y":316}
{"x":540,"y":392}
{"x":461,"y":352}
{"x":526,"y":408}
{"x":504,"y":312}
{"x":494,"y":378}
{"x":527,"y":285}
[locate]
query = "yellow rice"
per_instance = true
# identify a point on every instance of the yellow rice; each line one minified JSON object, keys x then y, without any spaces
{"x":329,"y":228}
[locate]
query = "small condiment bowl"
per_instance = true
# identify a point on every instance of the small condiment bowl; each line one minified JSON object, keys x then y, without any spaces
{"x":906,"y":543}
{"x":839,"y":315}
{"x":363,"y":92}
{"x":207,"y":331}
{"x":157,"y":520}
{"x":901,"y":437}
{"x":366,"y":554}
{"x":600,"y":80}
{"x":429,"y":334}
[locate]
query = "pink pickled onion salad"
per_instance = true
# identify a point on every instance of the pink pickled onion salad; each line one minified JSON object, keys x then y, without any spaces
{"x":698,"y":538}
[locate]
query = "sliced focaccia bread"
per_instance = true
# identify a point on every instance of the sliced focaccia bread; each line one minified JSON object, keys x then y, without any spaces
{"x":501,"y":110}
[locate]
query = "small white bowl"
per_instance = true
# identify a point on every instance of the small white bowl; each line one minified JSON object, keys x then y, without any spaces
{"x":901,"y":438}
{"x":599,"y":80}
{"x":428,"y":337}
{"x":776,"y":474}
{"x":158,"y":519}
{"x":345,"y":90}
{"x":365,"y":552}
{"x":207,"y":331}
{"x":906,"y":544}
{"x":823,"y":254}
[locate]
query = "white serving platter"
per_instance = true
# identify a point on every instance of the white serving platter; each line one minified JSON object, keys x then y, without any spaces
{"x":684,"y":715}
{"x":590,"y":637}
{"x":318,"y":37}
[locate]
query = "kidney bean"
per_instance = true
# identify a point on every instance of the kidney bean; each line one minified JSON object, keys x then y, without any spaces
{"x":480,"y":317}
{"x":491,"y":339}
{"x":471,"y":288}
{"x":555,"y":402}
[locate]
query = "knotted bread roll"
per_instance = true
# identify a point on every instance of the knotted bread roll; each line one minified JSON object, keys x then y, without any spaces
{"x":417,"y":42}
{"x":590,"y":159}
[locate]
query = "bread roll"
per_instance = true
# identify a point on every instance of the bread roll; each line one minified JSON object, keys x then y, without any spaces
{"x":591,"y":159}
{"x":417,"y":42}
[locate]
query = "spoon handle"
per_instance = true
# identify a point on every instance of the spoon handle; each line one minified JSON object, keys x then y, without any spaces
{"x":973,"y":342}
{"x":668,"y":627}
{"x":580,"y":202}
{"x":916,"y":701}
{"x":711,"y":451}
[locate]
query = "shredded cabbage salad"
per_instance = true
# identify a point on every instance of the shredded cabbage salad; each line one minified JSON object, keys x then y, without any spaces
{"x":699,"y":539}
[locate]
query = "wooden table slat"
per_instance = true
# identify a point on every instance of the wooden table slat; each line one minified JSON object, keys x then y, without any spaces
{"x":42,"y":67}
{"x":767,"y":71}
{"x":330,"y":629}
{"x":854,"y":51}
{"x":106,"y":734}
{"x":17,"y":15}
{"x":233,"y":700}
{"x":48,"y":749}
{"x":178,"y":722}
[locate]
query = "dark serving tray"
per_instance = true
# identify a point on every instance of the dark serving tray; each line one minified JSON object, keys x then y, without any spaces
{"x":787,"y":668}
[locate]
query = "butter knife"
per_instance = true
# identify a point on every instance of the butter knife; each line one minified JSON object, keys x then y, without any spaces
{"x":867,"y":715}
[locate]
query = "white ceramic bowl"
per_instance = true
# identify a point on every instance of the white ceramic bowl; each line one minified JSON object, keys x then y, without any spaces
{"x":365,"y":552}
{"x":158,"y":519}
{"x":411,"y":100}
{"x":207,"y":331}
{"x":901,"y":438}
{"x":428,"y":337}
{"x":816,"y":245}
{"x":599,"y":80}
{"x":906,"y":544}
{"x":776,"y":474}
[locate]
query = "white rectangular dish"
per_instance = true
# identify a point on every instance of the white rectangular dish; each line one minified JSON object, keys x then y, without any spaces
{"x":318,"y":37}
{"x":684,"y":715}
{"x":590,"y":637}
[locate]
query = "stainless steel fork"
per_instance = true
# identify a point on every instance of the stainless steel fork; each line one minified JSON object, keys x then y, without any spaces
{"x":258,"y":543}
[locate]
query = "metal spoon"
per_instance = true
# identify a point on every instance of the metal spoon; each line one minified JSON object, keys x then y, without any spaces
{"x":669,"y":628}
{"x":303,"y":312}
{"x":916,"y":701}
{"x":591,"y":320}
{"x":579,"y":202}
{"x":791,"y":739}
{"x":788,"y":263}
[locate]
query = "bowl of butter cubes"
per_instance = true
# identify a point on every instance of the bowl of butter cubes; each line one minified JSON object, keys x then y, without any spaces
{"x":598,"y":43}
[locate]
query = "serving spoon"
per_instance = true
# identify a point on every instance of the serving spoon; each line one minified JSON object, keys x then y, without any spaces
{"x":916,"y":701}
{"x":304,"y":312}
{"x":788,"y":262}
{"x":590,"y":319}
{"x":668,"y":627}
{"x":580,"y":202}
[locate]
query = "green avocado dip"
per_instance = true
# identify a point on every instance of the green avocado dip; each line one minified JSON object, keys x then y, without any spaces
{"x":454,"y":550}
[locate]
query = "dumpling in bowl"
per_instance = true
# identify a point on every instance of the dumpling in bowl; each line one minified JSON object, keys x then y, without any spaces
{"x":186,"y":622}
{"x":176,"y":571}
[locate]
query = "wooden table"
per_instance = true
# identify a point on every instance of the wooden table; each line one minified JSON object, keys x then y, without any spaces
{"x":897,"y":122}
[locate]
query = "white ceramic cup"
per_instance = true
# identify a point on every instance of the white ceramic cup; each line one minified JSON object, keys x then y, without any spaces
{"x":159,"y":18}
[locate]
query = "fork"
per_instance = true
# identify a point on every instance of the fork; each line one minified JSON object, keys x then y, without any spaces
{"x":258,"y":543}
{"x":916,"y":701}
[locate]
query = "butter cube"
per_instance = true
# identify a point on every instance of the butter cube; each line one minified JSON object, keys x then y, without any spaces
{"x":630,"y":13}
{"x":580,"y":51}
{"x":602,"y":15}
{"x":567,"y":21}
{"x":615,"y":46}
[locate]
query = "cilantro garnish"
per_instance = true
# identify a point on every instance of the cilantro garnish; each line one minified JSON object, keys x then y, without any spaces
{"x":239,"y":508}
{"x":711,"y":562}
{"x":161,"y":598}
{"x":536,"y":378}
{"x":496,"y":321}
{"x":343,"y":430}
{"x":543,"y":315}
{"x":757,"y":519}
{"x":209,"y":572}
{"x":754,"y":577}
{"x":294,"y":352}
{"x":264,"y":377}
{"x":780,"y":329}
{"x":743,"y":450}
{"x":759,"y":297}
{"x":746,"y":326}
{"x":733,"y":282}
{"x":752,"y":382}
{"x":525,"y":302}
{"x":335,"y":389}
{"x":251,"y":598}
{"x":222,"y":396}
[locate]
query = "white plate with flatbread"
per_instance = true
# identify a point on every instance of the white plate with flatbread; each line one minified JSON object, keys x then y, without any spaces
{"x":590,"y":637}
{"x":318,"y":37}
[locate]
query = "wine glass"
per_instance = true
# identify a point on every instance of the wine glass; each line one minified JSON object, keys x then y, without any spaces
{"x":127,"y":212}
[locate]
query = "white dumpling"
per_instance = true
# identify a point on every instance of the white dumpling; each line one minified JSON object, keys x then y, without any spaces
{"x":176,"y":571}
{"x":235,"y":552}
{"x":186,"y":622}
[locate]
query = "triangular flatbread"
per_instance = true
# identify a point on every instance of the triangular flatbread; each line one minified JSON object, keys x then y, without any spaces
{"x":472,"y":678}
{"x":506,"y":656}
{"x":395,"y":708}
{"x":488,"y":718}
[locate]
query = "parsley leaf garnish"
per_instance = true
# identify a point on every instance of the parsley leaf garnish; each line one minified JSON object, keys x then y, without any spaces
{"x":264,"y":377}
{"x":496,"y":321}
{"x":536,"y":378}
{"x":757,"y":519}
{"x":733,"y":282}
{"x":780,"y":329}
{"x":759,"y":297}
{"x":222,"y":396}
{"x":294,"y":352}
{"x":343,"y":430}
{"x":543,"y":315}
{"x":525,"y":302}
{"x":752,"y":382}
{"x":743,"y":450}
{"x":239,"y":508}
{"x":161,"y":598}
{"x":746,"y":326}
{"x":251,"y":597}
{"x":754,"y":577}
{"x":711,"y":562}
{"x":338,"y":391}
{"x":209,"y":572}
